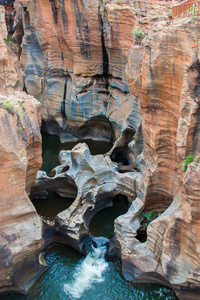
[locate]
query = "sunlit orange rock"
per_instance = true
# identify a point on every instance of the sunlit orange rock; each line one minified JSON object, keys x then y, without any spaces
{"x":20,"y":226}
{"x":74,"y":55}
{"x":10,"y":70}
{"x":163,"y":74}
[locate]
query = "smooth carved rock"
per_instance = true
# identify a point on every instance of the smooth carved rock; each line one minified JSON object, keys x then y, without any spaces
{"x":74,"y":56}
{"x":20,"y":226}
{"x":97,"y":181}
{"x":163,"y":74}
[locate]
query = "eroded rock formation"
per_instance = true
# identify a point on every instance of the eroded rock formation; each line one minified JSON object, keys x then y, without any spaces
{"x":165,"y":80}
{"x":93,"y":181}
{"x":74,"y":55}
{"x":20,"y":226}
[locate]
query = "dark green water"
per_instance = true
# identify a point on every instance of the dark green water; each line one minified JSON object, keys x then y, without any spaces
{"x":71,"y":276}
{"x":49,"y":207}
{"x":105,"y":228}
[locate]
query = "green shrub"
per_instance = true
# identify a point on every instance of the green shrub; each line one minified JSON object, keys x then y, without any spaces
{"x":19,"y":129}
{"x":8,"y":105}
{"x":150,"y":216}
{"x":187,"y":161}
{"x":138,"y":32}
{"x":8,"y":41}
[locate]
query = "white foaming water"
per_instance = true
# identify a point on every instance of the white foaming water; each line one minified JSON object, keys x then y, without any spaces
{"x":89,"y":271}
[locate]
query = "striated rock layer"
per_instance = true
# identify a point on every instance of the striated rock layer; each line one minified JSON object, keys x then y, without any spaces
{"x":163,"y":74}
{"x":74,"y":54}
{"x":10,"y":70}
{"x":21,"y":261}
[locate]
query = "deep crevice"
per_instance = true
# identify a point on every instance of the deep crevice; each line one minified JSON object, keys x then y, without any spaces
{"x":64,"y":117}
{"x":105,"y":60}
{"x":63,"y":14}
{"x":54,"y":11}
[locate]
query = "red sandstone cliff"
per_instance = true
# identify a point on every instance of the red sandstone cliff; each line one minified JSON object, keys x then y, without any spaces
{"x":74,"y":55}
{"x":10,"y":69}
{"x":20,"y":226}
{"x":163,"y":74}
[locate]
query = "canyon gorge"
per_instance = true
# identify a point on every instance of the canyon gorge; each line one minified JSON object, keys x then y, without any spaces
{"x":119,"y":72}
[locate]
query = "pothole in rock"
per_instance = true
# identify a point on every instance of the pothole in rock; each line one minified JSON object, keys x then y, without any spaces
{"x":49,"y":207}
{"x":121,"y":155}
{"x":152,"y":212}
{"x":97,"y":128}
{"x":125,"y":159}
{"x":102,"y":224}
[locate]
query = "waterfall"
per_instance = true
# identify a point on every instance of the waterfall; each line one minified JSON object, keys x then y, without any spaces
{"x":89,"y":271}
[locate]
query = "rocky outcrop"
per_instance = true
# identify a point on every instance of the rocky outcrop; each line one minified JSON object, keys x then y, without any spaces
{"x":10,"y":70}
{"x":74,"y":56}
{"x":163,"y":74}
{"x":20,"y":226}
{"x":93,"y":181}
